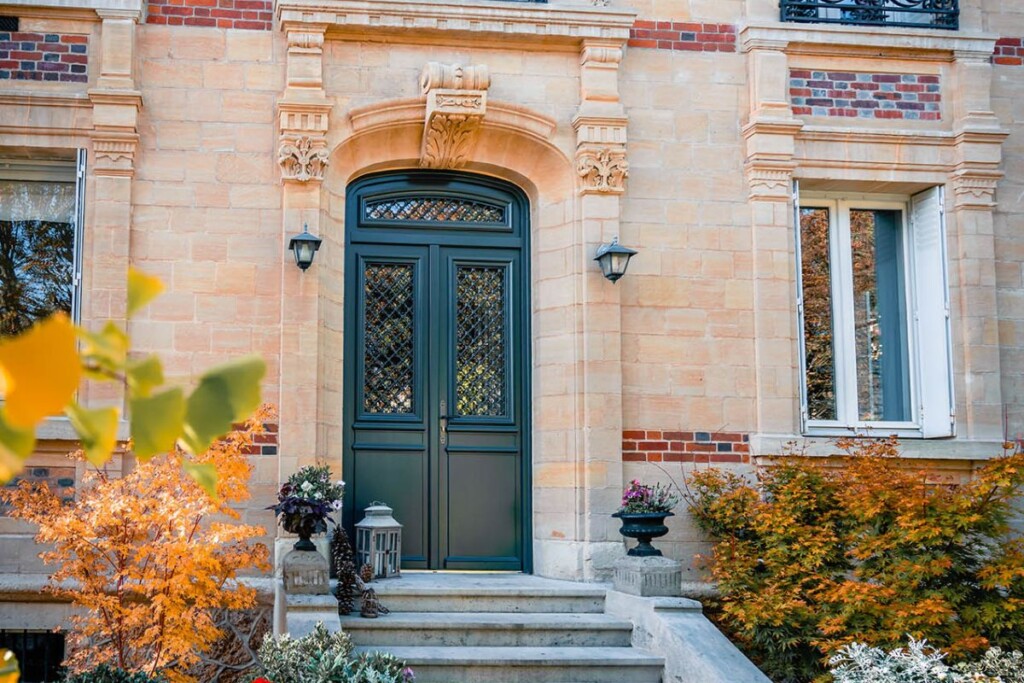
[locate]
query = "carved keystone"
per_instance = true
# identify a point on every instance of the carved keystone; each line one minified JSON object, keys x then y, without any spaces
{"x":456,"y":104}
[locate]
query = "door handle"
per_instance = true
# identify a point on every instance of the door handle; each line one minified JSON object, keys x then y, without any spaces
{"x":444,"y":422}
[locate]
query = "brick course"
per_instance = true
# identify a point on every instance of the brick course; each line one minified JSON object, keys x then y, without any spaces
{"x":655,"y":445}
{"x":244,"y":14}
{"x":690,"y":37}
{"x":265,"y":443}
{"x":54,"y":57}
{"x":865,"y":95}
{"x":1009,"y":52}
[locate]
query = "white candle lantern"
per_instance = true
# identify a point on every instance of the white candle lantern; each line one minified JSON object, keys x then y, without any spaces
{"x":379,"y":541}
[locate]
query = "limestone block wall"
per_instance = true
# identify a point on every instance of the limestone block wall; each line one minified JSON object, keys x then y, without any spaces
{"x":1007,"y":20}
{"x":206,"y":214}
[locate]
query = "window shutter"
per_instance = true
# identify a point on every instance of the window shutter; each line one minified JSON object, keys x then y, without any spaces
{"x":802,"y":381}
{"x":931,"y":313}
{"x":76,"y":296}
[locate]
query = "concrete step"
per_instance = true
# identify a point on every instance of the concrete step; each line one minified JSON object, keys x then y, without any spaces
{"x":494,"y":629}
{"x":529,"y":664}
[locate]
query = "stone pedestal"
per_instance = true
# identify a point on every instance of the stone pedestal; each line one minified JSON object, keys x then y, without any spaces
{"x":306,"y":572}
{"x":649,"y":576}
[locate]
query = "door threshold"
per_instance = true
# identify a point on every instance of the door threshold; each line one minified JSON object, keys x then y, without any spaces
{"x":510,"y":572}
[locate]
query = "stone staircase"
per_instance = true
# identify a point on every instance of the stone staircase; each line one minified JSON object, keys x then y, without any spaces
{"x":494,"y":628}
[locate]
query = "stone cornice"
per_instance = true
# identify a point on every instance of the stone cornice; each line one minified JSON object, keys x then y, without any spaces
{"x":44,"y":99}
{"x":493,"y":21}
{"x":847,"y":41}
{"x":135,"y":9}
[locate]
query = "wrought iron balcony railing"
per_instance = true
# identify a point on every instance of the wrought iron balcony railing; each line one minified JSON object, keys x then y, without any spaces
{"x":943,"y":14}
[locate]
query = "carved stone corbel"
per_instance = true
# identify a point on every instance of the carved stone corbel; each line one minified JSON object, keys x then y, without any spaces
{"x":771,"y":179}
{"x":303,"y":158}
{"x":975,"y":188}
{"x":456,"y":104}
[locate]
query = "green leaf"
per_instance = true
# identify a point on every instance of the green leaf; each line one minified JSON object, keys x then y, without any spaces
{"x":142,"y":289}
{"x":15,"y":447}
{"x":97,"y":431}
{"x":226,"y":394}
{"x":157,"y":422}
{"x":106,"y":349}
{"x":205,"y":475}
{"x":144,"y":375}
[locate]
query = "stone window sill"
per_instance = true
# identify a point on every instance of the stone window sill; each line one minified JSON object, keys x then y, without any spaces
{"x":917,"y":448}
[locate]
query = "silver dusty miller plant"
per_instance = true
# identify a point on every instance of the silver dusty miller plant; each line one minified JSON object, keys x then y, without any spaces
{"x":919,"y":663}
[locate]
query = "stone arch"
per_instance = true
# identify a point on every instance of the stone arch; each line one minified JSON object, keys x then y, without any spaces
{"x":519,"y":146}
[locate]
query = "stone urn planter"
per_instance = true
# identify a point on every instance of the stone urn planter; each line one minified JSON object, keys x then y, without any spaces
{"x":643,"y":526}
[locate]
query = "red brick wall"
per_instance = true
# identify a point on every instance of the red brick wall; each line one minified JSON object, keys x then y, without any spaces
{"x":44,"y":57}
{"x":691,"y":37}
{"x":655,"y":445}
{"x":1009,"y":52}
{"x":265,"y":443}
{"x":865,"y":95}
{"x":61,"y":480}
{"x":246,"y":14}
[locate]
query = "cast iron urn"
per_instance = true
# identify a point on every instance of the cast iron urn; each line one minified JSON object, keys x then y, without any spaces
{"x":643,"y":526}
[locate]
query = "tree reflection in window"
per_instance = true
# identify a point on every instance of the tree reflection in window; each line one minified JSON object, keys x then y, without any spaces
{"x":818,"y":313}
{"x":37,"y":244}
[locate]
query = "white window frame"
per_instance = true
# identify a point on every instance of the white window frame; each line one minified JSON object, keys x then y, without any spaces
{"x":921,"y":317}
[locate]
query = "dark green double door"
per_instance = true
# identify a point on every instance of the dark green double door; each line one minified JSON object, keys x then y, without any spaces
{"x":436,"y":332}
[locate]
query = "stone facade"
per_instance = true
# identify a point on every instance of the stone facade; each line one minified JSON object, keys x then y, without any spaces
{"x":215,"y":130}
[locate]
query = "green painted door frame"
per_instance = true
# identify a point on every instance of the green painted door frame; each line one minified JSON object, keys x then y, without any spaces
{"x":437,"y":365}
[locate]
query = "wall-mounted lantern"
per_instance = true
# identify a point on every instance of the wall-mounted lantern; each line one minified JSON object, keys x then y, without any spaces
{"x":304,"y":246}
{"x":614,"y":259}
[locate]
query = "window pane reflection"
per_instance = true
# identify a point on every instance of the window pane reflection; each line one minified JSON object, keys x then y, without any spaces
{"x":879,"y":307}
{"x":818,"y":324}
{"x":37,"y":236}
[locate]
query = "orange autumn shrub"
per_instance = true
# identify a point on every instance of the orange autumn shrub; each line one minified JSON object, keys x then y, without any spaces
{"x":816,"y":554}
{"x":150,"y":556}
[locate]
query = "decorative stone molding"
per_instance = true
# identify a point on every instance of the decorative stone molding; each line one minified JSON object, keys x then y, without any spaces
{"x":504,"y":22}
{"x":975,"y":189}
{"x":114,"y":143}
{"x":770,"y":181}
{"x":303,"y":158}
{"x":456,"y":104}
{"x":603,"y":169}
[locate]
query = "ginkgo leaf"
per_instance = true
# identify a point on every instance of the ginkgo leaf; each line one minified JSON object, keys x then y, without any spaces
{"x":144,"y":375}
{"x":42,"y":370}
{"x":106,"y":349}
{"x":15,"y":447}
{"x":142,"y":289}
{"x":226,"y":394}
{"x":205,"y":475}
{"x":97,"y":431}
{"x":8,"y":667}
{"x":157,"y":421}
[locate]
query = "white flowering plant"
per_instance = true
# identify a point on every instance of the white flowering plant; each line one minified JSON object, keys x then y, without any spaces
{"x":306,"y":500}
{"x":919,"y":663}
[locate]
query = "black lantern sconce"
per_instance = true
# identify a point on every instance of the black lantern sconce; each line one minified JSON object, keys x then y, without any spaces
{"x":614,"y":259}
{"x":304,"y":246}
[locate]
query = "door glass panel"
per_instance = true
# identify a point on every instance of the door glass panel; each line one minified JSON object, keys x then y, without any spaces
{"x":818,"y":323}
{"x":388,"y":355}
{"x":880,"y":330}
{"x":434,"y":210}
{"x":480,"y":341}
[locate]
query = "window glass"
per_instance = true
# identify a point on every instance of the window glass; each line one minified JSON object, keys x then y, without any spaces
{"x":37,"y":241}
{"x":815,"y":244}
{"x":879,"y":312}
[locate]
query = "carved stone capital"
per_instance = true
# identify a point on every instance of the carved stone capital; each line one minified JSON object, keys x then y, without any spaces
{"x":114,"y":153}
{"x":601,"y":54}
{"x":456,"y":104}
{"x":975,"y":189}
{"x":303,"y":158}
{"x":770,"y":180}
{"x":603,"y":169}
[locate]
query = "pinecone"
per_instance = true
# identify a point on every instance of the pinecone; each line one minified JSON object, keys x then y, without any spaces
{"x":345,"y":567}
{"x":366,"y":573}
